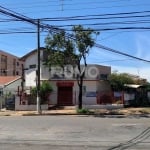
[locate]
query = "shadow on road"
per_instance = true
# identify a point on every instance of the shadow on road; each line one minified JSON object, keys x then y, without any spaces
{"x":138,"y":139}
{"x":123,"y":116}
{"x":137,"y":116}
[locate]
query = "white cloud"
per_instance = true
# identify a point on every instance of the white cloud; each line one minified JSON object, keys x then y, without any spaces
{"x":140,"y":49}
{"x":142,"y":46}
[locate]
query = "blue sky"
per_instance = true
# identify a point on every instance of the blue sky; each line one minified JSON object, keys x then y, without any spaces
{"x":133,"y":42}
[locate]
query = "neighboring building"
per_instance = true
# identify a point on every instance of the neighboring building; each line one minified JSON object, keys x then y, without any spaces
{"x":10,"y":65}
{"x":9,"y":89}
{"x":10,"y":84}
{"x":96,"y":88}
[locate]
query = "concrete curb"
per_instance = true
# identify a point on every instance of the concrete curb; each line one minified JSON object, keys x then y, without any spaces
{"x":103,"y":115}
{"x":131,"y":112}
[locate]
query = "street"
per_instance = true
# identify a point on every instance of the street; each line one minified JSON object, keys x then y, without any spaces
{"x":74,"y":133}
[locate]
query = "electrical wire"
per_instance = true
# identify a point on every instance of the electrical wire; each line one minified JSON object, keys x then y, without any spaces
{"x":57,"y":30}
{"x":92,"y":17}
{"x":97,"y":18}
{"x":119,"y":52}
{"x":91,"y":8}
{"x":15,"y":32}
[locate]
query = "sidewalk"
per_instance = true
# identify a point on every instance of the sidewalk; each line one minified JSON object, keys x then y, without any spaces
{"x":72,"y":111}
{"x":44,"y":112}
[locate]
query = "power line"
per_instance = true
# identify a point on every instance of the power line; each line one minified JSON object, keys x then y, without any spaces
{"x":93,"y":18}
{"x":86,"y":17}
{"x":115,"y":60}
{"x":117,"y":6}
{"x":91,"y":8}
{"x":113,"y":29}
{"x":88,"y":8}
{"x":57,"y":30}
{"x":15,"y":32}
{"x":107,"y":23}
{"x":79,"y":8}
{"x":13,"y":14}
{"x":119,"y":52}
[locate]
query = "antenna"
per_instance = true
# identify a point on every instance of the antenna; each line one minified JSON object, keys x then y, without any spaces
{"x":62,"y":5}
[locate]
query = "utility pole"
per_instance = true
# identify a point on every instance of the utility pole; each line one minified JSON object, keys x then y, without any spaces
{"x":38,"y":67}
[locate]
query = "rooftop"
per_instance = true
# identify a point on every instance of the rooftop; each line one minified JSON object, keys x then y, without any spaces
{"x":4,"y":80}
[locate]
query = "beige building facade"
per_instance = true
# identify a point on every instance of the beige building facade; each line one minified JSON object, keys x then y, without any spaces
{"x":65,"y":87}
{"x":10,"y":65}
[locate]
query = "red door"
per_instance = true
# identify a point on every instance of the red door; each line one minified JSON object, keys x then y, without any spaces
{"x":65,"y":95}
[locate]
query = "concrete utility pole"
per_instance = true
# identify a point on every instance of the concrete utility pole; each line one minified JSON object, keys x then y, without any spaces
{"x":38,"y":67}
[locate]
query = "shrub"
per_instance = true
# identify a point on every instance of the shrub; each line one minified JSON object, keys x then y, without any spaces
{"x":45,"y":90}
{"x":83,"y":111}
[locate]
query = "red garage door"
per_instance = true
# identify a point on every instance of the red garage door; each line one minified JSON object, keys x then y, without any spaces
{"x":65,"y":93}
{"x":65,"y":96}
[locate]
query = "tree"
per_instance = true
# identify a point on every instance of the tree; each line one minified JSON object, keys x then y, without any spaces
{"x":117,"y":81}
{"x":45,"y":89}
{"x":63,"y":50}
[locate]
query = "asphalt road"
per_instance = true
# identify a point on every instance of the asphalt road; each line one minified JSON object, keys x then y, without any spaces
{"x":74,"y":133}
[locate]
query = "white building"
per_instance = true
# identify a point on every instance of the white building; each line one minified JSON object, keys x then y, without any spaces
{"x":96,"y":88}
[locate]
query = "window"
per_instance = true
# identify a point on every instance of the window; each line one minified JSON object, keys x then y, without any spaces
{"x":17,"y":73}
{"x":17,"y":63}
{"x":32,"y":66}
{"x":91,"y":94}
{"x":4,"y":58}
{"x":3,"y":72}
{"x":14,"y":62}
{"x":103,"y":76}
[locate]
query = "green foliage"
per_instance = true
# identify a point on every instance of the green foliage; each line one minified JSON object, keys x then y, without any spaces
{"x":117,"y":81}
{"x":83,"y":111}
{"x":62,"y":50}
{"x":147,"y":86}
{"x":45,"y":89}
{"x":34,"y":91}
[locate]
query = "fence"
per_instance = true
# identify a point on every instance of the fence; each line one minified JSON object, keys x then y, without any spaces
{"x":110,"y":98}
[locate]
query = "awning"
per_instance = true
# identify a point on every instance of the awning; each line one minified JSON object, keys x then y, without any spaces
{"x":135,"y":86}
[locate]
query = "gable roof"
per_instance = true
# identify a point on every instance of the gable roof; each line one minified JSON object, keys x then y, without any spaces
{"x":30,"y":53}
{"x":7,"y":53}
{"x":5,"y":80}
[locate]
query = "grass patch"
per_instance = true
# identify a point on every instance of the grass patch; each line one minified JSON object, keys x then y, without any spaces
{"x":83,"y":111}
